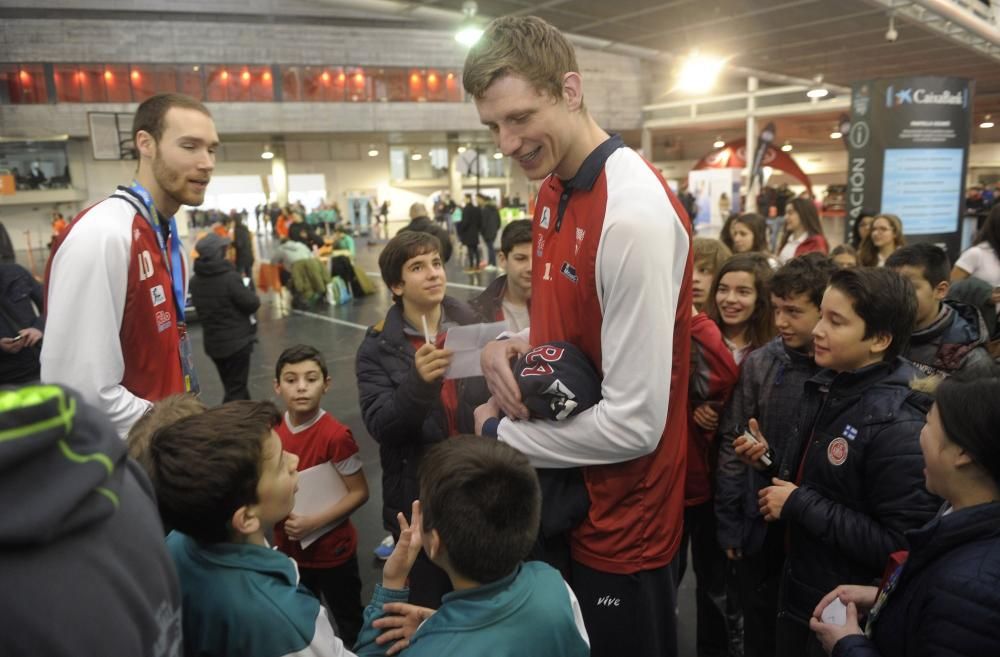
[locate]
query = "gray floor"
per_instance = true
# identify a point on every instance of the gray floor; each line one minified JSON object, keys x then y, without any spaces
{"x":337,"y":332}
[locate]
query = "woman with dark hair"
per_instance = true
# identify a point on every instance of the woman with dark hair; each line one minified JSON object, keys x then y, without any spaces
{"x":944,"y":599}
{"x":862,"y":227}
{"x":885,"y":237}
{"x":748,"y":233}
{"x":740,"y":303}
{"x":724,"y":235}
{"x":803,"y":231}
{"x":982,"y":259}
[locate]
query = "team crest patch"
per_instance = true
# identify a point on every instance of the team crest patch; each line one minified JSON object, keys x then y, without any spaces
{"x":163,"y":320}
{"x":836,"y":453}
{"x":546,"y":217}
{"x":158,"y":295}
{"x":580,"y":234}
{"x":569,"y":271}
{"x":541,"y":246}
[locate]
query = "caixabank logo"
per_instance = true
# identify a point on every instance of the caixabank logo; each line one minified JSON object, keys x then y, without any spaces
{"x":909,"y":96}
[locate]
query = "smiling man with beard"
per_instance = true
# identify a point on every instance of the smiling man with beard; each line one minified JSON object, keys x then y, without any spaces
{"x":116,"y":279}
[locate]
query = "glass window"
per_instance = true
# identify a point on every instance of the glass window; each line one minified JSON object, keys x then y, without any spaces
{"x":436,"y":87}
{"x":359,"y":85}
{"x":217,"y":80}
{"x":150,"y":79}
{"x":453,"y":88}
{"x":389,"y":85}
{"x":25,"y":84}
{"x":36,"y":164}
{"x":67,"y":80}
{"x":291,"y":86}
{"x":116,"y":79}
{"x":261,"y":84}
{"x":416,"y":86}
{"x":92,"y":89}
{"x":189,"y":81}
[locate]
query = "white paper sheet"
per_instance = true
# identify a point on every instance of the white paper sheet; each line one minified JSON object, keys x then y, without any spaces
{"x":320,"y":487}
{"x":466,"y":343}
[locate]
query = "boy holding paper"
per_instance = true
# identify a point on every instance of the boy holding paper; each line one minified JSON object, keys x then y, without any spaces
{"x":406,"y":402}
{"x":323,"y":542}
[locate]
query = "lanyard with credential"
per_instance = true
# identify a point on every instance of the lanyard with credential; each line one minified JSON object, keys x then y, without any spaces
{"x":173,"y":259}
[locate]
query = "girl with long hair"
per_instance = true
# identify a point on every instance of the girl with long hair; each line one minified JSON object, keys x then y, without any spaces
{"x":803,"y":231}
{"x":885,"y":237}
{"x":740,"y":303}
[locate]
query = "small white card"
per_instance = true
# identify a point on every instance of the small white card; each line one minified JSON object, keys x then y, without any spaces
{"x":835,"y":613}
{"x":466,"y":343}
{"x":320,"y":487}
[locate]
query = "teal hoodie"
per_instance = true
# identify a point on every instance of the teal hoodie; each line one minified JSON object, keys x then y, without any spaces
{"x":529,"y":613}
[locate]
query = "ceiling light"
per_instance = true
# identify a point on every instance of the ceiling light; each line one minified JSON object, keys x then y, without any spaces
{"x":817,"y":90}
{"x":698,"y":73}
{"x":836,"y":134}
{"x":786,"y":147}
{"x":498,"y":155}
{"x":416,"y":157}
{"x":268,"y":154}
{"x":468,"y":34}
{"x":718,"y":143}
{"x":461,"y":149}
{"x":372,"y":152}
{"x":987,"y":122}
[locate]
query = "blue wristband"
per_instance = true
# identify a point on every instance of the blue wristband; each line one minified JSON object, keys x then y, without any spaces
{"x":490,"y":427}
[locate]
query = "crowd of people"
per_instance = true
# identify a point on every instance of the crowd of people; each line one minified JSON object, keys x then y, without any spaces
{"x":819,"y":433}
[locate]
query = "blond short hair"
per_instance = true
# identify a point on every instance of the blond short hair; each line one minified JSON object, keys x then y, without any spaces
{"x":526,"y":46}
{"x":164,"y":413}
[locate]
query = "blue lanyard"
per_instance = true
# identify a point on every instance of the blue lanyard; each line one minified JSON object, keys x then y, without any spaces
{"x":173,"y":260}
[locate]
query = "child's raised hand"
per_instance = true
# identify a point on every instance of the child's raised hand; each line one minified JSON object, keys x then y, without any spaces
{"x":431,"y":362}
{"x":397,"y":567}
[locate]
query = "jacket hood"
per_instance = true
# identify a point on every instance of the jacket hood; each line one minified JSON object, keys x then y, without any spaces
{"x":212,"y":266}
{"x":961,"y":324}
{"x":236,"y":556}
{"x":62,"y":465}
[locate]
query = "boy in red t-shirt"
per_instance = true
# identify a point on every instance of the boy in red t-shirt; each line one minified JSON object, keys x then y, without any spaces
{"x":329,"y":566}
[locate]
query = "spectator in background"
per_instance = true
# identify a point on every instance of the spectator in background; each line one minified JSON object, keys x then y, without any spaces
{"x":489,"y":228}
{"x":803,"y":231}
{"x":982,"y":259}
{"x":885,"y":237}
{"x":862,"y":228}
{"x":740,"y":304}
{"x":300,"y":231}
{"x":419,"y":221}
{"x":243,"y":243}
{"x":844,"y":256}
{"x":21,"y":327}
{"x":225,"y":306}
{"x":468,"y":232}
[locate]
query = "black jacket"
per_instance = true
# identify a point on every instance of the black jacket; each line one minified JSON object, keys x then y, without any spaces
{"x":300,"y":231}
{"x":770,"y":389}
{"x":490,"y":223}
{"x":470,"y":225}
{"x":489,"y":304}
{"x":244,"y":247}
{"x":861,"y":482}
{"x":955,"y":342}
{"x":224,"y":306}
{"x":402,"y":412}
{"x":18,"y":289}
{"x":425,"y":225}
{"x":946,"y":600}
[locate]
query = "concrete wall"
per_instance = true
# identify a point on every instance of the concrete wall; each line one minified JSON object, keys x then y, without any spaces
{"x":613,"y":83}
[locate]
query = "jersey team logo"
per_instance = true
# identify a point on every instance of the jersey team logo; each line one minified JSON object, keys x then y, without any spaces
{"x":546,"y":217}
{"x":836,"y":453}
{"x":158,"y":295}
{"x":163,"y":320}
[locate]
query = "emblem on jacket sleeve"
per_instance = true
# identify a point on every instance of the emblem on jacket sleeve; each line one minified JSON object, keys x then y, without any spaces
{"x":546,"y":217}
{"x":836,"y":452}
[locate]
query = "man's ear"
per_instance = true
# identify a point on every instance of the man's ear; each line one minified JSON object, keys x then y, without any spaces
{"x":145,"y":144}
{"x":881,"y":342}
{"x":573,"y":90}
{"x":941,"y":290}
{"x":245,"y":520}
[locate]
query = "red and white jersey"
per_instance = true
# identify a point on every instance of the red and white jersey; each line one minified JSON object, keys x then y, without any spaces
{"x":611,"y":273}
{"x":111,"y":327}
